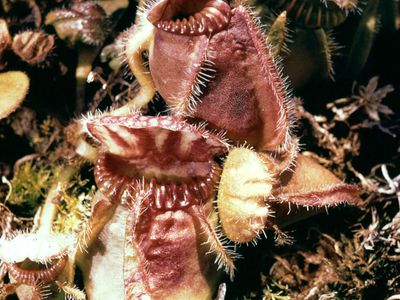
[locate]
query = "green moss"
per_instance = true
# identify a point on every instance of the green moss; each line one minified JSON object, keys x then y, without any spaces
{"x":274,"y":291}
{"x":29,"y":186}
{"x":74,"y":207}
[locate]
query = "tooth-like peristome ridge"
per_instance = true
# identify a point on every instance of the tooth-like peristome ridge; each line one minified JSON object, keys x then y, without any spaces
{"x":202,"y":16}
{"x":165,"y":148}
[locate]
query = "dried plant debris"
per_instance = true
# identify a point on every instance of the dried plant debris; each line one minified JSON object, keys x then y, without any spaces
{"x":116,"y":88}
{"x":368,"y":99}
{"x":348,"y":266}
{"x":42,"y":135}
{"x":332,"y":265}
{"x":362,"y":110}
{"x":10,"y":222}
{"x":361,"y":262}
{"x":339,"y":149}
{"x":357,"y":264}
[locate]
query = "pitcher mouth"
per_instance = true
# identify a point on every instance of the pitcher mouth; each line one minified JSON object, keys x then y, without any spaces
{"x":33,"y":272}
{"x":171,"y":154}
{"x":41,"y":262}
{"x":194,"y":17}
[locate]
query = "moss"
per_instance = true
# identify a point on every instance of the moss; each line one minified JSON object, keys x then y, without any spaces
{"x":29,"y":186}
{"x":74,"y":207}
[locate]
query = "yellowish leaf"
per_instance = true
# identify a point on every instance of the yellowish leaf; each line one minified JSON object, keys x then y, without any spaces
{"x":14,"y":86}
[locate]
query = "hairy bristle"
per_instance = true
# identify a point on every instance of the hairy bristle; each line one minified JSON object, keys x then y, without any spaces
{"x":329,"y":196}
{"x":206,"y":73}
{"x":219,"y":244}
{"x":328,"y":49}
{"x":71,"y":292}
{"x":272,"y":69}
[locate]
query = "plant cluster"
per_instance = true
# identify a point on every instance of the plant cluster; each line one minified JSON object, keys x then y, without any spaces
{"x":201,"y":152}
